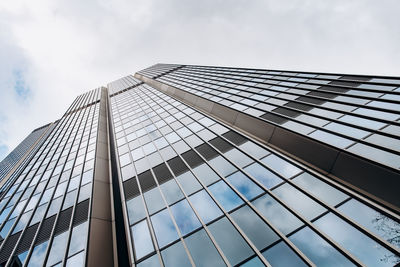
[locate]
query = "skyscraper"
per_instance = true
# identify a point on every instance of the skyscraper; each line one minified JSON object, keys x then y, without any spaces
{"x":185,"y":165}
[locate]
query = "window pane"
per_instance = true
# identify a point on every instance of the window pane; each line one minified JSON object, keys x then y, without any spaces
{"x":318,"y":188}
{"x":135,"y":209}
{"x":153,"y":261}
{"x":230,"y":241}
{"x":76,"y":260}
{"x":185,"y":217}
{"x":37,"y":257}
{"x":254,"y":262}
{"x":225,"y":195}
{"x":331,"y":139}
{"x":258,"y":232}
{"x":244,"y":185}
{"x":299,"y":201}
{"x":317,"y":249}
{"x":22,"y":256}
{"x":205,"y":206}
{"x":188,"y":182}
{"x":278,"y":215}
{"x":374,"y":221}
{"x":205,"y":174}
{"x":57,"y":249}
{"x":171,"y":191}
{"x":364,"y":248}
{"x":222,"y":166}
{"x":238,"y":157}
{"x":263,"y":175}
{"x":78,"y":238}
{"x":282,"y":255}
{"x":202,"y":250}
{"x":254,"y":149}
{"x":281,"y":166}
{"x":175,"y":255}
{"x":154,"y":200}
{"x":164,"y":228}
{"x":141,"y":239}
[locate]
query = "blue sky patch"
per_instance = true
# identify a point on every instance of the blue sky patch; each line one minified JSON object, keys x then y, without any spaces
{"x":20,"y":86}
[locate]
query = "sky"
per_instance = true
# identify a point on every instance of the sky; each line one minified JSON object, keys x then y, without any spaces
{"x":53,"y":50}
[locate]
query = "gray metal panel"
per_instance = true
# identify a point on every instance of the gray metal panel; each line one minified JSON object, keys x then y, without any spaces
{"x":366,"y":175}
{"x":318,"y":154}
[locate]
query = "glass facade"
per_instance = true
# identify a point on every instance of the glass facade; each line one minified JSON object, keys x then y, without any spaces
{"x":190,"y":189}
{"x":197,"y":188}
{"x":356,"y":113}
{"x":44,"y":211}
{"x":12,"y":159}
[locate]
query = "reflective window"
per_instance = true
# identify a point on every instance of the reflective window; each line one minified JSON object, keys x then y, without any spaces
{"x":150,"y":262}
{"x":222,"y":166}
{"x":57,"y":249}
{"x":254,"y":262}
{"x":135,"y":209}
{"x":205,"y":174}
{"x":185,"y":217}
{"x":23,"y":220}
{"x":299,"y":201}
{"x":22,"y":256}
{"x":171,"y":191}
{"x":175,"y":255}
{"x":364,"y":248}
{"x":205,"y":206}
{"x":320,"y":189}
{"x":54,"y":207}
{"x":188,"y":183}
{"x":78,"y":238}
{"x":37,"y":257}
{"x":376,"y":154}
{"x":258,"y":232}
{"x":76,"y":260}
{"x":278,"y":215}
{"x":346,"y":130}
{"x":282,"y":255}
{"x":238,"y":157}
{"x":164,"y":228}
{"x":331,"y":139}
{"x":38,"y":214}
{"x":142,"y":239}
{"x":263,"y":175}
{"x":85,"y":192}
{"x":137,"y":153}
{"x":374,"y":221}
{"x":46,"y":196}
{"x":225,"y":195}
{"x":244,"y":185}
{"x":69,"y":200}
{"x":281,"y":166}
{"x":317,"y":249}
{"x":149,"y":148}
{"x":172,"y":137}
{"x":154,"y":200}
{"x":375,"y":125}
{"x":230,"y":241}
{"x":202,"y":250}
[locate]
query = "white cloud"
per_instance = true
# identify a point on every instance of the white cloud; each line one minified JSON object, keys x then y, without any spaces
{"x":65,"y":48}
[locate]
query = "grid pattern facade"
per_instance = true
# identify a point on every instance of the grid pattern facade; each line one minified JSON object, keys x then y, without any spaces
{"x":356,"y":113}
{"x":123,"y":84}
{"x":199,"y":193}
{"x":142,"y":173}
{"x":44,"y":211}
{"x":17,"y":154}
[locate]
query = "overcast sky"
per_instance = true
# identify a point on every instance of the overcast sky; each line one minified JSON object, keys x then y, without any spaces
{"x":53,"y":50}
